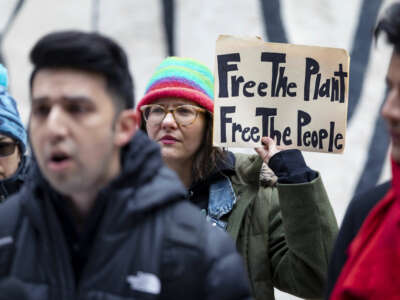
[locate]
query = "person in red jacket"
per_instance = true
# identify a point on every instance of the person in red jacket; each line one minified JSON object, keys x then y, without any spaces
{"x":366,"y":259}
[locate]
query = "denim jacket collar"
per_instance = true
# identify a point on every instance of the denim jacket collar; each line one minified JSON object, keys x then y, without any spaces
{"x":222,"y":198}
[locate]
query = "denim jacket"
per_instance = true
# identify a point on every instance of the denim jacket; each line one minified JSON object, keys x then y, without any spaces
{"x":221,"y":201}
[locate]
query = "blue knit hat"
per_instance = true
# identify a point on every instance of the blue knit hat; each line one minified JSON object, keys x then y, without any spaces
{"x":10,"y":121}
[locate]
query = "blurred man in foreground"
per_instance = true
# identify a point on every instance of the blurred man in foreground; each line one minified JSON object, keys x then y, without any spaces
{"x":102,"y":217}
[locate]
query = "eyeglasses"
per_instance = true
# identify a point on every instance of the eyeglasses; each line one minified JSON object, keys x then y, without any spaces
{"x":183,"y":115}
{"x":7,"y":148}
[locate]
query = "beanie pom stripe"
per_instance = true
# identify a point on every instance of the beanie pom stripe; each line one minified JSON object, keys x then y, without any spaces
{"x":161,"y":84}
{"x":184,"y":74}
{"x":188,"y":63}
{"x":183,"y":78}
{"x":178,"y":92}
{"x":178,"y":81}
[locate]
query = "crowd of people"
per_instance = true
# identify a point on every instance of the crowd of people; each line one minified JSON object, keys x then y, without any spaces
{"x":121,"y":201}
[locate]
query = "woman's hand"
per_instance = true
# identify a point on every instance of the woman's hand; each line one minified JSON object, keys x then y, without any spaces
{"x":268,"y":150}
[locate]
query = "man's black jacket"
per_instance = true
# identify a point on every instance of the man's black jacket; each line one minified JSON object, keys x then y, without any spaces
{"x":148,"y":242}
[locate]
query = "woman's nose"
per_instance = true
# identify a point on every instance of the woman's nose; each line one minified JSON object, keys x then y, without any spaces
{"x":169,"y":120}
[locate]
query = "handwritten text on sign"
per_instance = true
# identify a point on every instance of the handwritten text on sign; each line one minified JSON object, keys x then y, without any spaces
{"x":294,"y":94}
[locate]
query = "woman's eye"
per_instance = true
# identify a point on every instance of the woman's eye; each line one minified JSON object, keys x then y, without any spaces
{"x":184,"y":111}
{"x":157,"y":110}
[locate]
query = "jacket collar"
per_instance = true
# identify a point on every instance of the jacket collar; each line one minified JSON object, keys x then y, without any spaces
{"x":133,"y":192}
{"x":221,"y":198}
{"x":225,"y":167}
{"x":12,"y":184}
{"x":221,"y":194}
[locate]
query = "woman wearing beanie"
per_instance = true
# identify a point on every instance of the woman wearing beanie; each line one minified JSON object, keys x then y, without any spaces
{"x":13,"y":141}
{"x":283,"y":229}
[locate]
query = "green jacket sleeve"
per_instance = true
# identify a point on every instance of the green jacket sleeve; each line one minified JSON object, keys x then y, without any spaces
{"x":302,"y":229}
{"x":299,"y":226}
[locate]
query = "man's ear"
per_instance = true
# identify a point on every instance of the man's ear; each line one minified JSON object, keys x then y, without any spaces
{"x":126,"y":126}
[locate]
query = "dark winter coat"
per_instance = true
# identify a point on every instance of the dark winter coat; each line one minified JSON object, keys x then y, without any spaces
{"x":149,"y":242}
{"x":356,"y":212}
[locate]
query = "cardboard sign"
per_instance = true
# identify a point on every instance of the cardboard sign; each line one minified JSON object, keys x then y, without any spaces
{"x":296,"y":95}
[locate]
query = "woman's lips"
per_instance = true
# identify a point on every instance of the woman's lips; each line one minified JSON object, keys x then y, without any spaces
{"x":168,"y":140}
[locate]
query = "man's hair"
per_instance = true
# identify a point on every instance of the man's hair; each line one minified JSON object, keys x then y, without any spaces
{"x":390,"y":25}
{"x":90,"y":52}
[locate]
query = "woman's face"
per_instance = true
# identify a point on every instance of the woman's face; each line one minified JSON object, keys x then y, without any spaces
{"x":8,"y":163}
{"x":179,"y":143}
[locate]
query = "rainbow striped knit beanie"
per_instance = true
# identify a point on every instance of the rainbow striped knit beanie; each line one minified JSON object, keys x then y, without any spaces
{"x":180,"y":77}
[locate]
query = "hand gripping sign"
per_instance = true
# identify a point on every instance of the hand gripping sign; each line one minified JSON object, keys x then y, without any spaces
{"x":296,"y":95}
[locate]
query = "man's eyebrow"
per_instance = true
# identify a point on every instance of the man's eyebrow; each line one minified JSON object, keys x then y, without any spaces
{"x":64,"y":98}
{"x":39,"y":99}
{"x":77,"y":98}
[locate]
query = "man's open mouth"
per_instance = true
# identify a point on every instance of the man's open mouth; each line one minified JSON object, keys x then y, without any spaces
{"x":59,"y":161}
{"x":59,"y":157}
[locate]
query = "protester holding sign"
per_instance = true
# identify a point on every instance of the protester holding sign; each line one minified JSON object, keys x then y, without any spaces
{"x":284,"y":231}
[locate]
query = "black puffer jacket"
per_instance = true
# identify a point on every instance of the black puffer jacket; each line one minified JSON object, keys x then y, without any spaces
{"x":13,"y":184}
{"x":149,"y":244}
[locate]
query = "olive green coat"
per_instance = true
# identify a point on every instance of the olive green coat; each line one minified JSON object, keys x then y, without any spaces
{"x":285,"y":232}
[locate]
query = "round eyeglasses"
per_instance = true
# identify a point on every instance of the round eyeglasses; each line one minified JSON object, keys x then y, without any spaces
{"x":183,"y":115}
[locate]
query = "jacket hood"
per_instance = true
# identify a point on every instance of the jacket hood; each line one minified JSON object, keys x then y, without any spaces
{"x":143,"y":169}
{"x":225,"y":166}
{"x":12,"y":184}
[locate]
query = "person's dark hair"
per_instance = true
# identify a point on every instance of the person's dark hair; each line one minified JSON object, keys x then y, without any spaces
{"x":207,"y":157}
{"x":90,"y":52}
{"x":390,"y":24}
